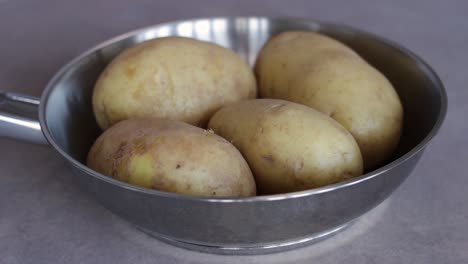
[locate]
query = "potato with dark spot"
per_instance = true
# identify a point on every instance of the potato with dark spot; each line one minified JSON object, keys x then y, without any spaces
{"x":320,"y":72}
{"x":172,"y":156}
{"x":172,"y":78}
{"x":289,"y":146}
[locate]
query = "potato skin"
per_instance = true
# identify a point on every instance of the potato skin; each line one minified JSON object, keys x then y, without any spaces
{"x":172,"y":78}
{"x":289,"y":146}
{"x":322,"y":73}
{"x":171,"y":156}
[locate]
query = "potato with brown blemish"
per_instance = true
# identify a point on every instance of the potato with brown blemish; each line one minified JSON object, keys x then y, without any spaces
{"x":289,"y":146}
{"x":320,"y":72}
{"x":172,"y":78}
{"x":171,"y":156}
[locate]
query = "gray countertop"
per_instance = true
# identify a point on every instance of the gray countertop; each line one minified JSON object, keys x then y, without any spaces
{"x":45,"y":218}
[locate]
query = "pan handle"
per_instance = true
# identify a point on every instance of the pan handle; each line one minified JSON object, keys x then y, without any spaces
{"x":19,"y":118}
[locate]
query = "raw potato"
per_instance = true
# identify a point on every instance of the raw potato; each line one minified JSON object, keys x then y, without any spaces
{"x":289,"y":147}
{"x":322,"y":73}
{"x":172,"y":156}
{"x":171,"y":78}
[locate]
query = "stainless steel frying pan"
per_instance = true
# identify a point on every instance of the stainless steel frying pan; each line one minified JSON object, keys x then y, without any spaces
{"x":247,"y":225}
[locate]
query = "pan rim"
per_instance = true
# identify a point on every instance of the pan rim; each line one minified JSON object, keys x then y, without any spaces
{"x":425,"y":67}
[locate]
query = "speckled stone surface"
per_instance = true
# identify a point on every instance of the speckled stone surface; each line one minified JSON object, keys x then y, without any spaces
{"x":45,"y":218}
